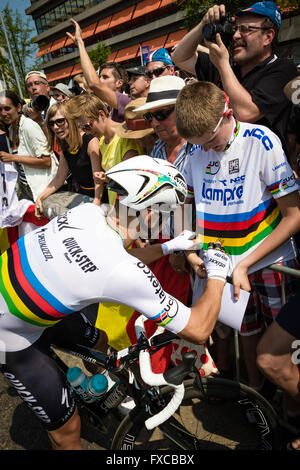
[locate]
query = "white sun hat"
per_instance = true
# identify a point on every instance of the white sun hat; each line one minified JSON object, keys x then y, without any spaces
{"x":163,"y":92}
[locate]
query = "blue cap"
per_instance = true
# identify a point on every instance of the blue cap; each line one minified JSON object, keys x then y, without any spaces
{"x":99,"y":383}
{"x":160,"y":55}
{"x":268,"y":9}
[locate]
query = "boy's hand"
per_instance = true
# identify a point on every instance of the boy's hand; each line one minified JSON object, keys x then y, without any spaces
{"x":240,"y":280}
{"x":77,"y":34}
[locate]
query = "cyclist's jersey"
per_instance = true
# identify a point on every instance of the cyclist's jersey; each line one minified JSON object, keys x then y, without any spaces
{"x":235,"y":192}
{"x":75,"y":260}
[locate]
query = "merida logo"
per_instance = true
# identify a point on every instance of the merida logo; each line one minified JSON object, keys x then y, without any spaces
{"x":224,"y":195}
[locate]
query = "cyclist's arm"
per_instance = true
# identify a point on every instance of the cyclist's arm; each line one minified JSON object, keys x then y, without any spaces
{"x":204,"y":313}
{"x":140,"y":289}
{"x":154,"y":252}
{"x":148,"y":254}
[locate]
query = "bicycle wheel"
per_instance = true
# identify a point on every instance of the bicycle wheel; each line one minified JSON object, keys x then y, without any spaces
{"x":225,"y":415}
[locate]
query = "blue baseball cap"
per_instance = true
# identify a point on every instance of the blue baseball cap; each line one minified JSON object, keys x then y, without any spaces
{"x":160,"y":55}
{"x":268,"y":9}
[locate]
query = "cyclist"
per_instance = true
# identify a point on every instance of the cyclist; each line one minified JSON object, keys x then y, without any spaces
{"x":79,"y":259}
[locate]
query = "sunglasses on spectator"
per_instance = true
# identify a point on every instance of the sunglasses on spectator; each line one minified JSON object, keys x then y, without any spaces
{"x":36,"y":83}
{"x":59,"y":122}
{"x":86,"y":127}
{"x":116,"y":66}
{"x":159,"y":115}
{"x":157,"y":72}
{"x":243,"y":29}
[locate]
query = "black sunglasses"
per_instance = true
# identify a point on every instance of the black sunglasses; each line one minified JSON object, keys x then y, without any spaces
{"x":59,"y":122}
{"x":157,"y":72}
{"x":159,"y":115}
{"x":116,"y":66}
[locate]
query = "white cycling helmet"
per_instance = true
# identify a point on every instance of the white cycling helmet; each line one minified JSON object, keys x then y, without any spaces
{"x":144,"y":181}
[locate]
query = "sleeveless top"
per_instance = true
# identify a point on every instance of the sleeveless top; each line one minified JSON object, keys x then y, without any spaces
{"x":80,"y":166}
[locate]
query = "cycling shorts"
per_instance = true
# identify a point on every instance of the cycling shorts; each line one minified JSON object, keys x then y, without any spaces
{"x":36,"y":376}
{"x":289,"y":316}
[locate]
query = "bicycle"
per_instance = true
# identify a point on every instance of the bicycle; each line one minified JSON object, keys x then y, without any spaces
{"x":178,"y":409}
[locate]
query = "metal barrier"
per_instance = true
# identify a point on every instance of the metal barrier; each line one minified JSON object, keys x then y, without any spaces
{"x":275,"y":267}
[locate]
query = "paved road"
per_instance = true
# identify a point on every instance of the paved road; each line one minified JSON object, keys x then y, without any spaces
{"x":21,"y":430}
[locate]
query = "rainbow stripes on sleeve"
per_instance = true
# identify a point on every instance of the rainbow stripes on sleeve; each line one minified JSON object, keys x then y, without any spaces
{"x":162,"y":319}
{"x":24,"y":294}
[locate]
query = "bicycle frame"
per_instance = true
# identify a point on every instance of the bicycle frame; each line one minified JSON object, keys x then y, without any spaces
{"x":134,"y":380}
{"x":153,"y":399}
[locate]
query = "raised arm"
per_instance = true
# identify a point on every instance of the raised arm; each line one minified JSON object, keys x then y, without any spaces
{"x":100,"y":89}
{"x":186,"y":52}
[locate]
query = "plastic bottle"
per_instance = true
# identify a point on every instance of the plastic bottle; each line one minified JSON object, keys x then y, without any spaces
{"x":89,"y":388}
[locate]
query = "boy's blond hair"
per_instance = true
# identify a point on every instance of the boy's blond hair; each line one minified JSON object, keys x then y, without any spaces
{"x":198,"y":109}
{"x":86,"y":105}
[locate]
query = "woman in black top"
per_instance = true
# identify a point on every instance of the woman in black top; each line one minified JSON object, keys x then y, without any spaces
{"x":80,"y":156}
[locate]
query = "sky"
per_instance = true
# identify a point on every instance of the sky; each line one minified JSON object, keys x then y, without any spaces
{"x":20,"y":5}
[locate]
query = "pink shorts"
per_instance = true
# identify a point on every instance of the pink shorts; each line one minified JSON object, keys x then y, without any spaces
{"x":265,"y":299}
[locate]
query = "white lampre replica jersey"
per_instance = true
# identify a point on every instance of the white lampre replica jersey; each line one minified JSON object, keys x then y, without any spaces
{"x":235,"y":192}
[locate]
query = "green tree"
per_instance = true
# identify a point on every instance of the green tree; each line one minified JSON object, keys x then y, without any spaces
{"x":23,"y":49}
{"x":100,"y":54}
{"x":196,"y":9}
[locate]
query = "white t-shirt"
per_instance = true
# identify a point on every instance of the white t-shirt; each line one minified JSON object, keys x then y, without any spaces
{"x":33,"y":142}
{"x":235,"y":192}
{"x":75,"y":260}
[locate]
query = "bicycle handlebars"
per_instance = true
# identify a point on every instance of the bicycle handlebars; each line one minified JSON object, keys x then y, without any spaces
{"x":175,"y":375}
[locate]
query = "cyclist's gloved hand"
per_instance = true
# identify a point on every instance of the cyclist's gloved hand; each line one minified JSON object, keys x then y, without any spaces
{"x":217,"y":263}
{"x":184,"y":241}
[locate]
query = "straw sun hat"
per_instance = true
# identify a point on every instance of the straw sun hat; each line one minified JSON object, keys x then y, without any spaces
{"x":134,"y":126}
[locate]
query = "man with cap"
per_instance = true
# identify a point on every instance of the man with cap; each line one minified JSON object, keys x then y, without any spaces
{"x":61,"y":93}
{"x":37,"y":84}
{"x":255,"y":80}
{"x":138,"y":82}
{"x":159,"y":63}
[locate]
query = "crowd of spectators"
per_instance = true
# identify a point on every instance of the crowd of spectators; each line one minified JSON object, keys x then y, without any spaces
{"x":60,"y":149}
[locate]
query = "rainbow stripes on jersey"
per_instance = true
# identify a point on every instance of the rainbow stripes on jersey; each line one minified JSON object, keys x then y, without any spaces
{"x":239,"y":232}
{"x":23,"y":293}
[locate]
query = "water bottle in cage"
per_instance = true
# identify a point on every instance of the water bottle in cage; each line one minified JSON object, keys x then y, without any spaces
{"x":89,"y":388}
